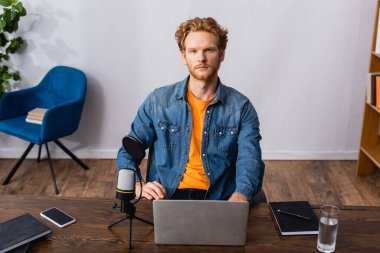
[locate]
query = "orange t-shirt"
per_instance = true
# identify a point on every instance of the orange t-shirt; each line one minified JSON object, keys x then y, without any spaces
{"x":194,"y":176}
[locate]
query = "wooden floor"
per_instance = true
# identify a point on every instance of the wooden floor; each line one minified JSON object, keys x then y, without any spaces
{"x":319,"y":182}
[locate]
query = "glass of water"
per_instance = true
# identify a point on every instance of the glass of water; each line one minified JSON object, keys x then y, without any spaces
{"x":328,"y":228}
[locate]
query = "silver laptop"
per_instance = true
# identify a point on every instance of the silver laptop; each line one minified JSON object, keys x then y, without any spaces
{"x":200,"y":222}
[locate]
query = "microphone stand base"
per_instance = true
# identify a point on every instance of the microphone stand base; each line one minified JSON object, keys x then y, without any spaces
{"x":130,"y":218}
{"x":130,"y":215}
{"x":116,"y":222}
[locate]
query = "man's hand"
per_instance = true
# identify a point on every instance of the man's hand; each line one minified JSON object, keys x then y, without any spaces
{"x":151,"y":190}
{"x":236,"y":196}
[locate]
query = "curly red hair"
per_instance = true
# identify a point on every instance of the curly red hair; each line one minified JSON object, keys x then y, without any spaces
{"x":201,"y":24}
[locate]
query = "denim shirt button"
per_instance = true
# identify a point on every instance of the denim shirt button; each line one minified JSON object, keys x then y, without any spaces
{"x":208,"y":174}
{"x":220,"y":133}
{"x":208,"y":111}
{"x":205,"y":132}
{"x":203,"y":154}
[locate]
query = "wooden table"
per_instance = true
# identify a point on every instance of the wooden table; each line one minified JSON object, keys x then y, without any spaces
{"x":359,"y":229}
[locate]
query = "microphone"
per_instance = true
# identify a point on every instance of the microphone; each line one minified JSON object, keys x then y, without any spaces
{"x":137,"y":150}
{"x":125,"y":189}
{"x":134,"y":148}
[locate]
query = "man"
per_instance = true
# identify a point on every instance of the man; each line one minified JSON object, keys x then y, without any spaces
{"x":205,"y":135}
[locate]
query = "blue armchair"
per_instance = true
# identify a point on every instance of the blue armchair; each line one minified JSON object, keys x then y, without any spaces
{"x":62,"y":91}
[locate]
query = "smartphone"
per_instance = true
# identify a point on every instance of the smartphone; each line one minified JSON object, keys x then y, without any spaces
{"x":57,"y":217}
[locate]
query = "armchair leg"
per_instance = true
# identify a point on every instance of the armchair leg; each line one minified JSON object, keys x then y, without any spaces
{"x":17,"y":165}
{"x":76,"y":159}
{"x":39,"y":153}
{"x":51,"y":170}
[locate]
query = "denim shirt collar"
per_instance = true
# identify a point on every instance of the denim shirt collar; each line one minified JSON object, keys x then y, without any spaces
{"x":182,"y":91}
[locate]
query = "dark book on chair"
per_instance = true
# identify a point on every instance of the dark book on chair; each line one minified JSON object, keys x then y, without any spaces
{"x":21,"y":230}
{"x":295,"y":218}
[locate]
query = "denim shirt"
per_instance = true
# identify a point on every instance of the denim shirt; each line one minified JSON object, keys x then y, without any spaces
{"x":231,"y":153}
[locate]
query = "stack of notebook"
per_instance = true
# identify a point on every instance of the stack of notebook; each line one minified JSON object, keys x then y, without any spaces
{"x":36,"y":116}
{"x":15,"y":234}
{"x":295,"y":218}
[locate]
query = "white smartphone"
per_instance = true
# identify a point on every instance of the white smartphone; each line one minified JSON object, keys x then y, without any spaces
{"x":57,"y":217}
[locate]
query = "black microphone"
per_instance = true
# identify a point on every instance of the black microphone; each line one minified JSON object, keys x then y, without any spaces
{"x":125,"y":189}
{"x":134,"y":148}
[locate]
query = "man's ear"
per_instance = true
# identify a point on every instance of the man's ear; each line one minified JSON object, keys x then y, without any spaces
{"x":221,"y":55}
{"x":183,"y":56}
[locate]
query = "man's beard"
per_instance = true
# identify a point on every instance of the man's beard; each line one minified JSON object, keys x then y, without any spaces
{"x":206,"y":75}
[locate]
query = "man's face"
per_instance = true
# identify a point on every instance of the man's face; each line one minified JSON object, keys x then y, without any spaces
{"x":202,"y":55}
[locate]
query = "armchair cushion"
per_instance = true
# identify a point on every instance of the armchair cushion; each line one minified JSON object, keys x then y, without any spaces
{"x":19,"y":128}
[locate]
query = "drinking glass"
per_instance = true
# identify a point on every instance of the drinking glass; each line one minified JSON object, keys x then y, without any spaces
{"x":328,"y":228}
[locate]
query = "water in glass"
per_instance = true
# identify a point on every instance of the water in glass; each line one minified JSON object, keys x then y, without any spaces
{"x":328,"y":228}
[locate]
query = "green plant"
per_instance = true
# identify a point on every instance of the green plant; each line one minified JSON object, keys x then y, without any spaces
{"x":13,"y":10}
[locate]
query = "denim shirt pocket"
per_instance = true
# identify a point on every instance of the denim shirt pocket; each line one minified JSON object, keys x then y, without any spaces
{"x":226,"y":138}
{"x":168,"y":134}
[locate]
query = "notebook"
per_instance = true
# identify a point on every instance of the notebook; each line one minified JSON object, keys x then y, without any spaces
{"x":21,"y":249}
{"x":295,"y":218}
{"x":200,"y":222}
{"x":21,"y":230}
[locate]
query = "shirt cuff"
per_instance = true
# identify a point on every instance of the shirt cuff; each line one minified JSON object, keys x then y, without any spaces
{"x":246,"y":191}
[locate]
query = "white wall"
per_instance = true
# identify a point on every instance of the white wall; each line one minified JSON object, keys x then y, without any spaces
{"x":301,"y":62}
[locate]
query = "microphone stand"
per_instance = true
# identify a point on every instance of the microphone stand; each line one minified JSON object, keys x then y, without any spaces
{"x":130,"y":210}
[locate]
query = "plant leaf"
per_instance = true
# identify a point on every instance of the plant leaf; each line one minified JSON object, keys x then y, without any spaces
{"x":6,"y":3}
{"x":16,"y":76}
{"x":5,"y":84}
{"x":6,"y":76}
{"x":3,"y":39}
{"x":7,"y":15}
{"x":20,"y":9}
{"x":11,"y":19}
{"x":2,"y":23}
{"x":15,"y":44}
{"x":14,"y":14}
